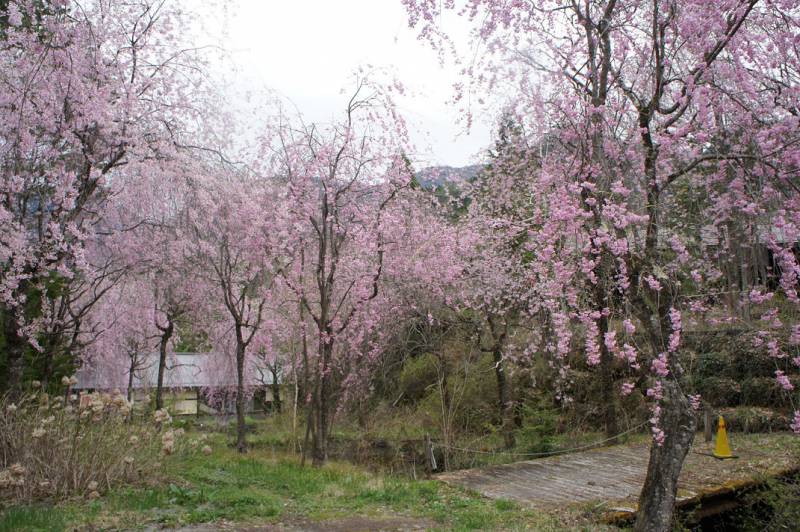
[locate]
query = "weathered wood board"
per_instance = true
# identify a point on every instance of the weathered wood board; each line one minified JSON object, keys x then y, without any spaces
{"x":613,"y":476}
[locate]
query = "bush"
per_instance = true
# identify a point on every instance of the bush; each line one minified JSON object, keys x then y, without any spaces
{"x":751,"y":420}
{"x":712,"y":364}
{"x":539,"y":428}
{"x":81,"y":445}
{"x":762,"y":391}
{"x":719,"y":391}
{"x":773,"y":506}
{"x":417,"y":376}
{"x":752,"y":363}
{"x":728,"y":353}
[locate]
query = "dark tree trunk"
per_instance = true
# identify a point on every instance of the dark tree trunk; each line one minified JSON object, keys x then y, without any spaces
{"x":14,"y":349}
{"x":276,"y":390}
{"x":319,"y":440}
{"x":677,"y":420}
{"x":319,"y":443}
{"x":504,"y":404}
{"x":518,"y":416}
{"x":47,"y":363}
{"x":608,"y":397}
{"x":241,"y":443}
{"x":599,"y":83}
{"x":131,"y":369}
{"x":302,"y":394}
{"x":15,"y":344}
{"x":600,"y":295}
{"x":657,"y":499}
{"x":444,"y":390}
{"x":166,"y":334}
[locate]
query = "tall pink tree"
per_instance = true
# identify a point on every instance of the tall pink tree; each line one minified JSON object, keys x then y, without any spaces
{"x":165,"y":265}
{"x":126,"y":338}
{"x":638,"y":101}
{"x":348,"y":197}
{"x":94,"y":94}
{"x":233,"y":224}
{"x":520,"y":268}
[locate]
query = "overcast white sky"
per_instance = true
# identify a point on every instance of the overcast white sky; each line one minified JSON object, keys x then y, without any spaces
{"x":307,"y":51}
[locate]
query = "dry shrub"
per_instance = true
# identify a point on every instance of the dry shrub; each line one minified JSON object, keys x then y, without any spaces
{"x":70,"y":446}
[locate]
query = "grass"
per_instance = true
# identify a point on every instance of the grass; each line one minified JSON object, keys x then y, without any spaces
{"x":268,"y":486}
{"x":264,"y":487}
{"x":32,"y":518}
{"x":274,"y":434}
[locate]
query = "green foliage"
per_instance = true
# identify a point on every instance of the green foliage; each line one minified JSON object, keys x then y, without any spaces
{"x":39,"y":518}
{"x":42,"y":8}
{"x":774,"y":506}
{"x":259,"y":489}
{"x":450,"y":196}
{"x":762,"y":391}
{"x":751,"y":363}
{"x":5,"y":316}
{"x":720,"y":391}
{"x":417,"y":377}
{"x":184,"y":496}
{"x":748,"y":419}
{"x":728,"y":371}
{"x":538,"y":432}
{"x":472,"y":392}
{"x":55,"y":360}
{"x":728,"y":353}
{"x":478,"y":396}
{"x":183,"y":422}
{"x":190,"y":339}
{"x":712,"y":364}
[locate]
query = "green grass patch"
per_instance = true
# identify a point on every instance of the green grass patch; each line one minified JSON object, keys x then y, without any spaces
{"x":41,"y":518}
{"x":263,"y":487}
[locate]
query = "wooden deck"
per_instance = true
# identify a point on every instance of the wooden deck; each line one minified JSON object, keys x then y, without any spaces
{"x":611,"y":478}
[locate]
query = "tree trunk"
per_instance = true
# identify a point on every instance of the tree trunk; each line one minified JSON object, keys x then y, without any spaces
{"x":518,"y":415}
{"x":294,"y":414}
{"x":319,"y":443}
{"x":276,"y":390}
{"x":447,"y":418}
{"x":131,"y":369}
{"x":309,"y":427}
{"x":599,"y":82}
{"x":608,"y":397}
{"x":319,"y":439}
{"x":47,"y":364}
{"x":241,"y":443}
{"x":606,"y":370}
{"x":166,"y":334}
{"x":504,"y":405}
{"x":657,"y":499}
{"x":14,"y":353}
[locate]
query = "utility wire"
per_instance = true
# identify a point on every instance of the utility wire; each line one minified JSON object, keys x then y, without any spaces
{"x":549,"y":453}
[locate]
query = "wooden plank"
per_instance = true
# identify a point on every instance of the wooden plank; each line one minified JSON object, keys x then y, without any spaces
{"x":613,"y":475}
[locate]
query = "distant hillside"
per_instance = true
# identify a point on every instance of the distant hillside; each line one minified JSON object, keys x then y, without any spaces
{"x":435,"y":176}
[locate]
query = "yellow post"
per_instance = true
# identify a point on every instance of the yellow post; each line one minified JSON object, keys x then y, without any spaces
{"x":722,"y":449}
